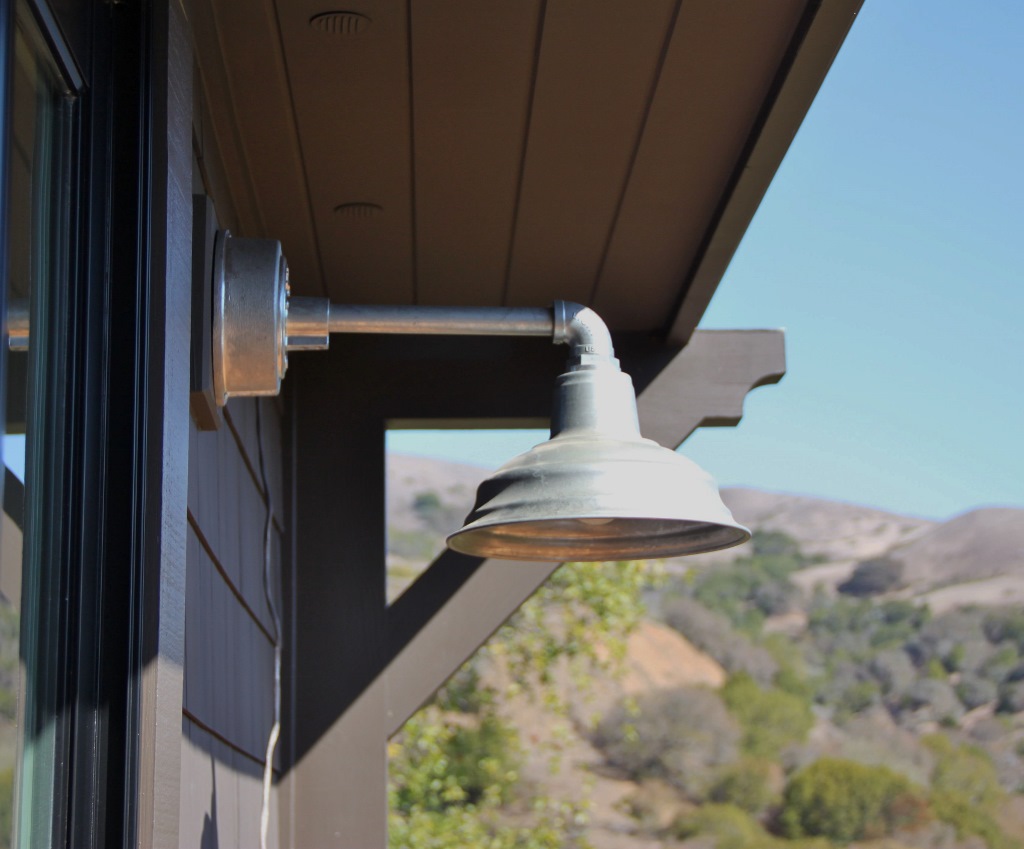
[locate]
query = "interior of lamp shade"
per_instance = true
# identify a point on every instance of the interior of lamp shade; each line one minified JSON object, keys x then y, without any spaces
{"x":596,"y":539}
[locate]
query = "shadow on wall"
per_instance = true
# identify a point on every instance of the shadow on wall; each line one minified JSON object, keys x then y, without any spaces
{"x":208,"y":840}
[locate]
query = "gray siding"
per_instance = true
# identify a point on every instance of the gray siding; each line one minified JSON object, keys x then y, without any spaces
{"x":227,"y":709}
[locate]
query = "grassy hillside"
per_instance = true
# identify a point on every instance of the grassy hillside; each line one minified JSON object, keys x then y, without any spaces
{"x":865,"y":687}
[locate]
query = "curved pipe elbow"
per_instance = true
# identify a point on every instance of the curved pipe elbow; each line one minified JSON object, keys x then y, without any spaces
{"x":585,"y":332}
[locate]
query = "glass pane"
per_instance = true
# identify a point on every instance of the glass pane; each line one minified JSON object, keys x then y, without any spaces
{"x":37,"y":250}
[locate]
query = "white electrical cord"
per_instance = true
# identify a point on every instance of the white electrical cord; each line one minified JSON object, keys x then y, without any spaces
{"x":275,"y":729}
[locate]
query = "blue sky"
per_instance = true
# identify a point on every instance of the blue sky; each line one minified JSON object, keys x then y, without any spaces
{"x":891,"y":248}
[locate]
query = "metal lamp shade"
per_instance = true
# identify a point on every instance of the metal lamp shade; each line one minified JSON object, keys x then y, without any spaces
{"x":597,"y":490}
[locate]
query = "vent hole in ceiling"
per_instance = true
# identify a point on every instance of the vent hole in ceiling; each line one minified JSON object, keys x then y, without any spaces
{"x":358,"y":210}
{"x":340,"y":23}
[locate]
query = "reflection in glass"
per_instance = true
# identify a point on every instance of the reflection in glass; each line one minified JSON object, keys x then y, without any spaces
{"x":37,"y":247}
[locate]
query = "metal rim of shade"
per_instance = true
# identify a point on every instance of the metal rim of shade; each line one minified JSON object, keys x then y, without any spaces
{"x":583,"y":496}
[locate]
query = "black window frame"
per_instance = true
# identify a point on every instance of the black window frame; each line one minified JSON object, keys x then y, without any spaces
{"x":99,"y":575}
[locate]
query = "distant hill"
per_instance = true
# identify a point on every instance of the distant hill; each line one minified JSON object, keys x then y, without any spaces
{"x":408,"y":477}
{"x":833,"y":529}
{"x":977,"y":557}
{"x":973,"y":546}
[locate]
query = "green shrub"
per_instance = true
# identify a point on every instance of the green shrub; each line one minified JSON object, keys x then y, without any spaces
{"x":8,"y":703}
{"x":968,"y":819}
{"x":873,"y":577}
{"x":455,"y":764}
{"x":415,"y":544}
{"x":583,"y":614}
{"x":750,"y":589}
{"x":459,"y":828}
{"x":1005,"y":624}
{"x":934,"y":699}
{"x":6,"y":806}
{"x":771,"y":719}
{"x":438,"y":764}
{"x":844,"y":800}
{"x":893,"y":670}
{"x":900,"y":622}
{"x":791,"y":680}
{"x":974,"y":691}
{"x":1011,"y":697}
{"x":964,"y":772}
{"x":841,"y":615}
{"x":731,"y":827}
{"x":747,"y":784}
{"x":775,"y":543}
{"x":434,"y":513}
{"x":1002,"y":661}
{"x":856,"y":698}
{"x":463,"y":692}
{"x":683,"y":736}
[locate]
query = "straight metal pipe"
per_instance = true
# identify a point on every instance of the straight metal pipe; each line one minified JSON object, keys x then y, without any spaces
{"x":444,"y":321}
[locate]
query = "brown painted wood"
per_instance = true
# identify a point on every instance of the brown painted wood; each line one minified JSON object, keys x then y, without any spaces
{"x":337,"y":627}
{"x":609,"y":152}
{"x":351,"y":103}
{"x":797,"y":83}
{"x":238,"y":45}
{"x":666,"y":208}
{"x":705,"y":385}
{"x":472,"y":71}
{"x":202,"y":400}
{"x":218,"y":138}
{"x":211,"y":177}
{"x":598,"y":64}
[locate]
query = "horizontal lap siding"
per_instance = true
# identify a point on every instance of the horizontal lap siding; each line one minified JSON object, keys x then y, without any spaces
{"x":227,"y":710}
{"x":223,"y":794}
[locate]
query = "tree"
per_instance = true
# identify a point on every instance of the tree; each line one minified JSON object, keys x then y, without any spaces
{"x":893,"y":671}
{"x":966,"y":791}
{"x":873,"y":577}
{"x":935,"y":698}
{"x":656,"y":736}
{"x":749,"y":784}
{"x":775,"y":543}
{"x":844,"y":800}
{"x":730,"y":826}
{"x":455,"y":763}
{"x":964,"y":771}
{"x":444,"y":764}
{"x":771,"y":719}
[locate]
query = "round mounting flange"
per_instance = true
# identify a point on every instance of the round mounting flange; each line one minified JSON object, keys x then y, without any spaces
{"x":250,"y":313}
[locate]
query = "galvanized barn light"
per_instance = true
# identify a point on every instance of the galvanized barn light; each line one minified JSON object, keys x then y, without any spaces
{"x":597,"y":490}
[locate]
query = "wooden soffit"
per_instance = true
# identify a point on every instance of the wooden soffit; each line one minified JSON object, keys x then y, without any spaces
{"x":610,"y":152}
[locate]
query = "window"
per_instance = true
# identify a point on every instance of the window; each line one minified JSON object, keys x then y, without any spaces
{"x":39,"y":127}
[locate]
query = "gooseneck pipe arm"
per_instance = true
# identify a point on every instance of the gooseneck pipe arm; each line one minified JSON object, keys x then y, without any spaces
{"x":441,"y":321}
{"x":565,"y":322}
{"x":256,"y":321}
{"x":586,"y":334}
